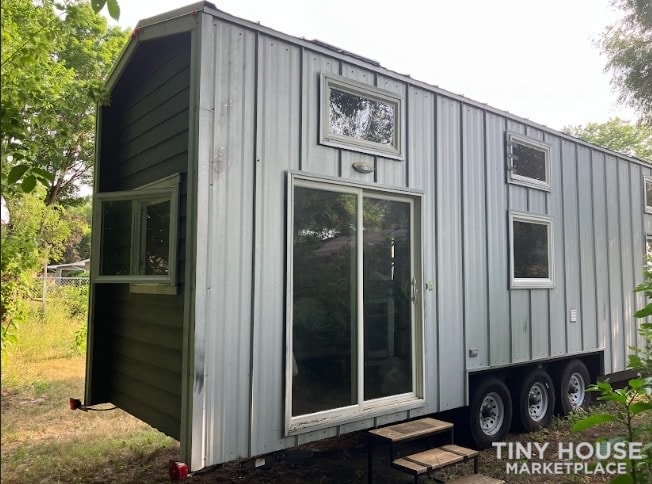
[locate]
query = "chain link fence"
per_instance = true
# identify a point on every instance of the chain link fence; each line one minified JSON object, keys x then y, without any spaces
{"x":50,"y":289}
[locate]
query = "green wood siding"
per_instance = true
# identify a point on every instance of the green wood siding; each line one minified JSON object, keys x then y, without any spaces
{"x":137,"y":338}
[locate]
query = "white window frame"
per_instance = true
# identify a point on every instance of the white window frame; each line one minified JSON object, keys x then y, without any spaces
{"x":166,"y":188}
{"x":364,"y":408}
{"x":648,"y":203}
{"x":328,"y":138}
{"x":515,"y":178}
{"x":531,"y":283}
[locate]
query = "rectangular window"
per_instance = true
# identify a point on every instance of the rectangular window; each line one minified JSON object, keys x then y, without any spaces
{"x":531,"y":256}
{"x":361,"y":118}
{"x":355,"y":338}
{"x":528,"y":162}
{"x":138,"y":234}
{"x":648,"y":193}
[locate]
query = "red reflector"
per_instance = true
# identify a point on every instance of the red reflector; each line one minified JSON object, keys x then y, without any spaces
{"x":178,"y":470}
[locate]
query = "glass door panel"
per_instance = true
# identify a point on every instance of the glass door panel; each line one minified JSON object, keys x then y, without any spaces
{"x":387,"y":298}
{"x":324,"y":293}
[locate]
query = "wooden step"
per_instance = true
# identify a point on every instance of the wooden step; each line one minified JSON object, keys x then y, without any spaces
{"x":463,"y":451}
{"x":427,"y":461}
{"x":411,"y":430}
{"x":476,"y":479}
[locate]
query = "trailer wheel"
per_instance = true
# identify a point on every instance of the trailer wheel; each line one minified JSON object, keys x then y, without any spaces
{"x":572,"y":384}
{"x":536,"y":402}
{"x":490,"y":412}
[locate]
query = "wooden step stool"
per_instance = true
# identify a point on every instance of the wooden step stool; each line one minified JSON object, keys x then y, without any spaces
{"x":437,"y":458}
{"x":405,"y":432}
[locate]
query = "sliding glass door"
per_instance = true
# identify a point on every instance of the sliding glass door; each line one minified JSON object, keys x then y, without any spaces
{"x":353,"y":300}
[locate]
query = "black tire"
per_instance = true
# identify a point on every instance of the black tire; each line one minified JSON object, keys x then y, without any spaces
{"x":490,"y":412}
{"x":571,"y":387}
{"x":536,"y":401}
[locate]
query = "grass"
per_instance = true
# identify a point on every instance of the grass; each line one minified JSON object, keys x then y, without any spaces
{"x":43,"y":440}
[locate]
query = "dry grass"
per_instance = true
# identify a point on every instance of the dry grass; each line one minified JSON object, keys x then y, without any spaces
{"x":44,"y":441}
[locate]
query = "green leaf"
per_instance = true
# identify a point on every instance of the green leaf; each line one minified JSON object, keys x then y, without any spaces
{"x":639,"y":407}
{"x":613,"y":397}
{"x":15,"y":173}
{"x":97,"y":5}
{"x":645,"y":312}
{"x":636,"y":383}
{"x":603,"y":386}
{"x":114,"y":9}
{"x":591,"y":421}
{"x":41,"y":173}
{"x":28,"y":184}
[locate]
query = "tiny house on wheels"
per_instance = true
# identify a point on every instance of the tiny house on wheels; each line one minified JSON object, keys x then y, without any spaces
{"x":293,"y":242}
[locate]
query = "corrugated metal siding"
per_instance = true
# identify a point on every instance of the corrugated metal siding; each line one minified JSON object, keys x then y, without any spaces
{"x":475,"y":235}
{"x":315,"y":158}
{"x":224,"y":244}
{"x":421,"y":148}
{"x":137,"y":353}
{"x":498,"y":332}
{"x":449,"y":252}
{"x":277,"y":150}
{"x":615,"y":320}
{"x":600,"y":233}
{"x":587,"y":311}
{"x":558,"y":318}
{"x":570,"y":223}
{"x":626,"y":251}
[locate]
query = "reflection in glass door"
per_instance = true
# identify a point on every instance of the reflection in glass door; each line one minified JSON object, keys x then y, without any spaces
{"x":324,"y":301}
{"x":352,"y":298}
{"x":387,"y":298}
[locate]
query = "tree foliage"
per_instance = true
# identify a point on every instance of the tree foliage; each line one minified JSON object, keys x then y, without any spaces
{"x":628,"y":47}
{"x":54,"y":60}
{"x":35,"y":234}
{"x":617,"y":135}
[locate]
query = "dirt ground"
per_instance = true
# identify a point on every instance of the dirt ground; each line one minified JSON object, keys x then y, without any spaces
{"x":338,"y":460}
{"x":344,"y":460}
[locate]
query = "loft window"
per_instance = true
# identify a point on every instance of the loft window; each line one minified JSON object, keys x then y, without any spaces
{"x":138,"y":234}
{"x":648,"y":194}
{"x":355,"y":334}
{"x":528,"y":162}
{"x":531,"y":252}
{"x":361,"y":118}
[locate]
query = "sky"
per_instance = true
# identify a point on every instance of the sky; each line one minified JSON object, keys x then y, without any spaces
{"x":535,"y":59}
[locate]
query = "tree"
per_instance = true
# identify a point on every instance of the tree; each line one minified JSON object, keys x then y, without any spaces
{"x":54,"y":60}
{"x":628,"y":47}
{"x":34,"y":235}
{"x":618,"y":135}
{"x":78,"y":244}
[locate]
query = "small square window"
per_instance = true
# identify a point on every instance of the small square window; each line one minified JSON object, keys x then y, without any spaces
{"x":361,"y":118}
{"x":138,"y":234}
{"x":531,"y":256}
{"x":528,"y":162}
{"x":648,"y":194}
